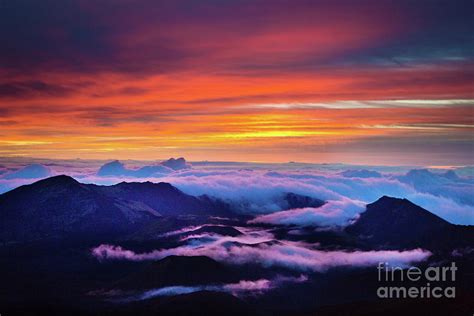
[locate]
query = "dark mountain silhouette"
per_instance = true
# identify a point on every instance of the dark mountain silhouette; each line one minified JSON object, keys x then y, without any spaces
{"x":294,"y":200}
{"x":395,"y":223}
{"x":178,"y":270}
{"x":59,"y":206}
{"x":62,"y":207}
{"x":163,"y":198}
{"x":53,"y":277}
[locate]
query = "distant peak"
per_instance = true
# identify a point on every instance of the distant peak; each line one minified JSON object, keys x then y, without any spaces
{"x":59,"y":179}
{"x":113,"y":168}
{"x":113,"y":163}
{"x":419,"y":172}
{"x":390,"y":199}
{"x":30,"y":172}
{"x":396,"y":205}
{"x":389,"y":202}
{"x":451,"y":174}
{"x":176,"y":164}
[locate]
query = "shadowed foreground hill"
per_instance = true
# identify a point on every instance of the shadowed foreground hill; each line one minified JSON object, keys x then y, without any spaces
{"x":398,"y":223}
{"x":62,"y":207}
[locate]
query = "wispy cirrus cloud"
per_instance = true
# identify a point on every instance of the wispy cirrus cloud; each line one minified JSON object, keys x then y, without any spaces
{"x":236,"y":79}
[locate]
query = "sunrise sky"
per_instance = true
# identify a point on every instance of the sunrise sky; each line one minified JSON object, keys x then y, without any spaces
{"x":375,"y":82}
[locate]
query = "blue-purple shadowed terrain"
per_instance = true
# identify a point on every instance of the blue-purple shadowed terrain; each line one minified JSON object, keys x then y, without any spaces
{"x":228,"y":238}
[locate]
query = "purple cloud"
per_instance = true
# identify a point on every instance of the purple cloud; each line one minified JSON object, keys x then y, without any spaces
{"x":256,"y":247}
{"x":239,"y":289}
{"x":257,"y":189}
{"x":333,"y":213}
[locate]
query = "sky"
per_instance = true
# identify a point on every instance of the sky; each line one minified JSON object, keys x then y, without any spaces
{"x":366,"y":82}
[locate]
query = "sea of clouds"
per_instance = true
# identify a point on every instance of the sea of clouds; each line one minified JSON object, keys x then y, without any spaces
{"x":257,"y":189}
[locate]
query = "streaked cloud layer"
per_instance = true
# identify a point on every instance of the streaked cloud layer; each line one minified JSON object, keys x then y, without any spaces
{"x":238,"y":80}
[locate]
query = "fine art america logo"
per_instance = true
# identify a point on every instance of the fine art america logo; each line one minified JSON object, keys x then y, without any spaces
{"x":432,"y":282}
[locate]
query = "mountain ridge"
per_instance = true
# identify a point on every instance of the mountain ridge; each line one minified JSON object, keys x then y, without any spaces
{"x":399,"y":223}
{"x":61,"y":206}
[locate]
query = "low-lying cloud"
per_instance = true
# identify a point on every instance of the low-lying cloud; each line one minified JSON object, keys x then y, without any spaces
{"x":288,"y":255}
{"x":333,"y":213}
{"x":241,"y":288}
{"x":258,"y":247}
